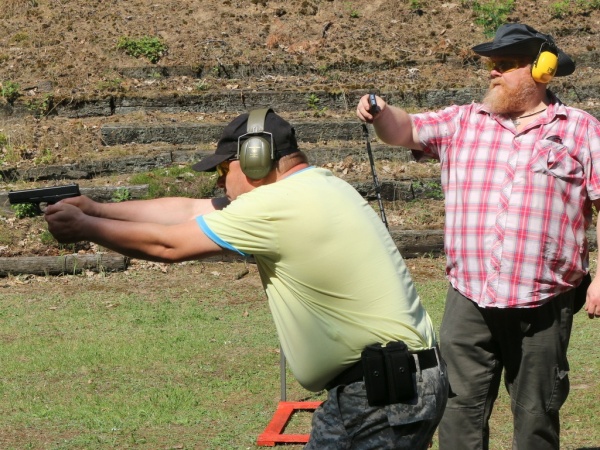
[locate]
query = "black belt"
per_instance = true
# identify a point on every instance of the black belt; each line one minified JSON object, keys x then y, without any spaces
{"x":427,"y":359}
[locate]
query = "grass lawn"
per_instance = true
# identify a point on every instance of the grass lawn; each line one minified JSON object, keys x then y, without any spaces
{"x":185,"y":357}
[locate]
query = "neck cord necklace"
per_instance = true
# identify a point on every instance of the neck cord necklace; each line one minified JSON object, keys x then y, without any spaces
{"x":516,"y":121}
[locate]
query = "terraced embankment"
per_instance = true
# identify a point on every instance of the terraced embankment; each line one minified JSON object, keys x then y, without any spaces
{"x":118,"y":135}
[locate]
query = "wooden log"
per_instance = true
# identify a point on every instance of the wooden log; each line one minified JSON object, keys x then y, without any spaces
{"x":416,"y":243}
{"x":66,"y":264}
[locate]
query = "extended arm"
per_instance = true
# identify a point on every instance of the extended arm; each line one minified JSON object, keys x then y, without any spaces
{"x":161,"y":241}
{"x":392,"y":125}
{"x":167,"y":211}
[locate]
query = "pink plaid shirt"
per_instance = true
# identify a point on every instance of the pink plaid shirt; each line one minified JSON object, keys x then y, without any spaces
{"x":517,"y":204}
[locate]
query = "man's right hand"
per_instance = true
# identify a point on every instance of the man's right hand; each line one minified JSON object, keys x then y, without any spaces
{"x":364,"y":109}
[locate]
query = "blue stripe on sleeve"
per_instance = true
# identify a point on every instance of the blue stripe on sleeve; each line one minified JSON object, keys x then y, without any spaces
{"x":213,"y":237}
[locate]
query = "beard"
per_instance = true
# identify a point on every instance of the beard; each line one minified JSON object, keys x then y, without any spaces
{"x":504,"y":100}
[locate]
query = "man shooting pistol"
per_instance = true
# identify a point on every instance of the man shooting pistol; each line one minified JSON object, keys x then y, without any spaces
{"x":49,"y":195}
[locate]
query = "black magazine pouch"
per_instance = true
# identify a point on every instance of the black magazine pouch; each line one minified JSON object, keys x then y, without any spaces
{"x":388,"y":373}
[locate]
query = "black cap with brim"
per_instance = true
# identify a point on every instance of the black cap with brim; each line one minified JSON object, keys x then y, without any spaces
{"x":284,"y":140}
{"x":515,"y":39}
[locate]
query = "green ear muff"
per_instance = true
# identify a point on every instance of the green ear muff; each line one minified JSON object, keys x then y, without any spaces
{"x":256,"y":152}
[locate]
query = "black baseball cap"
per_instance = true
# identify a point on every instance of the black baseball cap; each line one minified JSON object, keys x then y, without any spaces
{"x":516,"y":39}
{"x":284,"y":140}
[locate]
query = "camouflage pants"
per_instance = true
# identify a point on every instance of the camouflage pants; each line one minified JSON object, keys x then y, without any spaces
{"x":346,"y":421}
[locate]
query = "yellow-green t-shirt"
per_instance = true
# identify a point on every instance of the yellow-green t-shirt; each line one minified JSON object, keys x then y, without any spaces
{"x":334,"y":278}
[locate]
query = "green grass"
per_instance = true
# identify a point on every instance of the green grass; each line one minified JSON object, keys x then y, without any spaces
{"x":150,"y":47}
{"x":101,"y":366}
{"x":185,"y":357}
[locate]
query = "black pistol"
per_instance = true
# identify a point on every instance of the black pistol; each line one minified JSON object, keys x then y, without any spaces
{"x":373,"y":108}
{"x":47,"y":195}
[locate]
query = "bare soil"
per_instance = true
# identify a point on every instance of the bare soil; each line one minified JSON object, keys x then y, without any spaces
{"x":69,"y":47}
{"x":67,"y":50}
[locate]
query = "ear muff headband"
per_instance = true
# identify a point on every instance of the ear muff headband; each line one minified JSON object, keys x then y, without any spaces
{"x":256,"y":151}
{"x":545,"y":65}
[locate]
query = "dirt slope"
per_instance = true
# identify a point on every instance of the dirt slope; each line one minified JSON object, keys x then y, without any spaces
{"x":69,"y":47}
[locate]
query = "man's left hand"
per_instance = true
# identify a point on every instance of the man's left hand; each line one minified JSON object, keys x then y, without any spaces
{"x":65,"y":222}
{"x":592,"y":303}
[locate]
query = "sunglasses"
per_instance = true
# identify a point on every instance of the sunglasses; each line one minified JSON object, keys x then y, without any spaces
{"x":504,"y":65}
{"x":223,"y":168}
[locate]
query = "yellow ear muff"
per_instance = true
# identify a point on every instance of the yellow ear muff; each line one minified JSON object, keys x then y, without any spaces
{"x":544,"y":67}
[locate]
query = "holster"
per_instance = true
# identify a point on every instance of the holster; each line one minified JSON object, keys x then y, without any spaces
{"x":388,"y":373}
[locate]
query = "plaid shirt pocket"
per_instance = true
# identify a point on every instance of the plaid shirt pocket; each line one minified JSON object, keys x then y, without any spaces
{"x":552,"y":158}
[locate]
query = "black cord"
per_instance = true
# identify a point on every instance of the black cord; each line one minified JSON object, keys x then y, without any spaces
{"x":375,"y":180}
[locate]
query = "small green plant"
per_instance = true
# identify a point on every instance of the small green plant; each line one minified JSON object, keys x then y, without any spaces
{"x":121,"y":195}
{"x":4,"y":147}
{"x":586,"y":6}
{"x":46,"y":103}
{"x":8,"y":152}
{"x":152,"y":48}
{"x":202,"y":85}
{"x":46,"y":238}
{"x":45,"y":157}
{"x":492,"y":14}
{"x":433,"y":190}
{"x":415,"y":4}
{"x":354,"y":14}
{"x":20,"y":37}
{"x":560,"y":9}
{"x":41,"y":107}
{"x":23,"y":210}
{"x":313,"y":103}
{"x":10,"y":91}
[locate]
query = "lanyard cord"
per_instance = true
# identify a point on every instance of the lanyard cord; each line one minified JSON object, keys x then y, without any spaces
{"x":375,"y":180}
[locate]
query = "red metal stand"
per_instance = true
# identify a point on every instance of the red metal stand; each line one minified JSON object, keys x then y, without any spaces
{"x":273,"y":433}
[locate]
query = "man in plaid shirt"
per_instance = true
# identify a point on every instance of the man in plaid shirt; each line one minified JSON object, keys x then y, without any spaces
{"x":520,"y":172}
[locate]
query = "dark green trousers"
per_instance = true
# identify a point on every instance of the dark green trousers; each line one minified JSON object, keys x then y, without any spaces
{"x":530,"y":346}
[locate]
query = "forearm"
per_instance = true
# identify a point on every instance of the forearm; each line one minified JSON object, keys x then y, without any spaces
{"x":597,"y":274}
{"x":394,"y":127}
{"x":166,"y":211}
{"x":150,"y":241}
{"x":592,"y":306}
